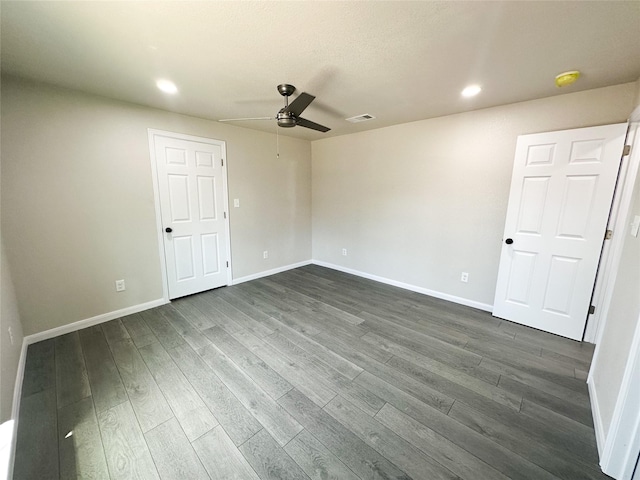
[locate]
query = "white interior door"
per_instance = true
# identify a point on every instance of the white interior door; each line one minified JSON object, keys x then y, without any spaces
{"x":193,"y":204}
{"x":561,"y":193}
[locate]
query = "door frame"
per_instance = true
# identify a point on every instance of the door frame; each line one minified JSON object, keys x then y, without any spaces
{"x":612,"y":249}
{"x":620,"y":449}
{"x":152,"y":133}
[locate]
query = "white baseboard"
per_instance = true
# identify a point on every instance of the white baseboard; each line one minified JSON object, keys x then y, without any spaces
{"x":425,"y":291}
{"x":89,"y":322}
{"x":597,"y":419}
{"x":267,"y":273}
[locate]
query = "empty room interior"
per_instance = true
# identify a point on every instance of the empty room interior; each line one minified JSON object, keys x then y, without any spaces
{"x":320,"y":240}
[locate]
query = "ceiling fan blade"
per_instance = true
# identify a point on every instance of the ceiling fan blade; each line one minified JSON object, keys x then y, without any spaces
{"x":241,"y":119}
{"x":303,"y":122}
{"x":301,"y":102}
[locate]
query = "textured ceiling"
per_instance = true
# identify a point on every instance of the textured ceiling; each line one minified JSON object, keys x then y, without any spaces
{"x":399,"y":61}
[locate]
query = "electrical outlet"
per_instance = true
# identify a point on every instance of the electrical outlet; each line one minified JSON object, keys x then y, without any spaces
{"x":265,"y":254}
{"x":236,"y":202}
{"x":120,"y":286}
{"x":464,"y":277}
{"x":344,"y":252}
{"x":10,"y":335}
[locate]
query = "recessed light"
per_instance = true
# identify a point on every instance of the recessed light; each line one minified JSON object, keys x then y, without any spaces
{"x":166,"y":86}
{"x":471,"y":91}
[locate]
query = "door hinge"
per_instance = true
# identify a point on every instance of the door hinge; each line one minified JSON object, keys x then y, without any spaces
{"x":608,"y":234}
{"x":225,"y":214}
{"x":592,"y":309}
{"x":626,"y":151}
{"x":222,"y":161}
{"x":227,"y":264}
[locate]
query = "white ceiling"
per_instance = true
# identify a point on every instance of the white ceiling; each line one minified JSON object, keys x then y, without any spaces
{"x":399,"y":61}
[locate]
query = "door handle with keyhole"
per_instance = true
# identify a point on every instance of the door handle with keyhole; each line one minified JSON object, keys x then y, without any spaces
{"x":509,"y":241}
{"x":168,"y":229}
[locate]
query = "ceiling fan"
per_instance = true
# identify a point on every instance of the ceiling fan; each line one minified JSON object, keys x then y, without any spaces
{"x":289,"y":116}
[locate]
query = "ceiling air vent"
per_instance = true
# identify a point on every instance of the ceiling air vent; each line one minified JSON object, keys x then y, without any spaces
{"x":360,"y":118}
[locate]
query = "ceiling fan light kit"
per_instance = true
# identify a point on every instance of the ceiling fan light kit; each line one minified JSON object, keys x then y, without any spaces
{"x":289,"y":115}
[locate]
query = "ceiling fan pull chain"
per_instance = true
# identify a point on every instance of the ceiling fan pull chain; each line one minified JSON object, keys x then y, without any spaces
{"x":277,"y":141}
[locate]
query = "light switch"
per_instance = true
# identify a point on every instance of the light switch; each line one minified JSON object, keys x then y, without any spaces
{"x":236,"y":202}
{"x":635,"y":225}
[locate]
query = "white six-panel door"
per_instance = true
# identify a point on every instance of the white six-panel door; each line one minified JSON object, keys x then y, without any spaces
{"x":561,"y":193}
{"x":192,"y":195}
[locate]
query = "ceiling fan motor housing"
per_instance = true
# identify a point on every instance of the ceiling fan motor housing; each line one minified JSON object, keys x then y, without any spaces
{"x":286,"y":119}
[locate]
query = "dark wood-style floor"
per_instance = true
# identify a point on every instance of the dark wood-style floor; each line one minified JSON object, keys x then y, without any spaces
{"x":310,"y":373}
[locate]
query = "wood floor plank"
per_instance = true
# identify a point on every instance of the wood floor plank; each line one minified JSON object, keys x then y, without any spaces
{"x":81,"y":452}
{"x":221,"y":458}
{"x":236,"y":420}
{"x":431,"y":347}
{"x":173,"y":454}
{"x":560,"y":441}
{"x":410,"y":459}
{"x":114,"y":331}
{"x":311,"y":287}
{"x":40,"y":368}
{"x":272,"y":416}
{"x":311,"y":303}
{"x":549,"y":341}
{"x":564,"y":466}
{"x":542,"y":367}
{"x":138,"y":330}
{"x":409,"y":385}
{"x":148,"y":402}
{"x":363,"y":460}
{"x":125,"y":448}
{"x":187,"y":307}
{"x":444,"y":451}
{"x":563,"y":391}
{"x":72,"y":381}
{"x":296,"y":375}
{"x":158,"y":322}
{"x":316,"y":460}
{"x":286,"y":315}
{"x":313,"y":308}
{"x":335,"y":361}
{"x":188,"y":332}
{"x":363,"y":398}
{"x":467,"y":390}
{"x":579,"y":432}
{"x":226,"y":309}
{"x":107,"y":388}
{"x":264,"y":376}
{"x":190,"y":410}
{"x":499,"y":457}
{"x":269,"y":459}
{"x":230,"y":296}
{"x":477,"y":378}
{"x":36,"y":443}
{"x":565,"y":407}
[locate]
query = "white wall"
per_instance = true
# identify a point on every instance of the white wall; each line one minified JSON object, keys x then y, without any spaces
{"x":78,"y":210}
{"x":9,"y":351}
{"x":421,"y":202}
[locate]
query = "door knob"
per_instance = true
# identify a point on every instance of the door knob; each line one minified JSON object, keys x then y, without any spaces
{"x":509,"y":241}
{"x":168,"y":229}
